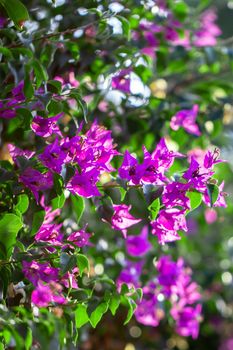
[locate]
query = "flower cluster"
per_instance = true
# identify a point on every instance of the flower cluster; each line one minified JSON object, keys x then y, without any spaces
{"x":205,"y":35}
{"x":89,"y":155}
{"x":48,"y":280}
{"x":9,"y":107}
{"x":173,"y":283}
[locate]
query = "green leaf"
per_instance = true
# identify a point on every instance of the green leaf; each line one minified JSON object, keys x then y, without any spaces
{"x":123,"y":193}
{"x":81,"y":103}
{"x":16,"y":11}
{"x":5,"y":274}
{"x":213,"y":192}
{"x":54,"y":86}
{"x":139,"y":293}
{"x":58,"y":183}
{"x":83,"y":264}
{"x":81,"y":316}
{"x":28,"y":88}
{"x":78,"y":204}
{"x":132,"y":307}
{"x":114,"y":303}
{"x":125,"y":26}
{"x":10,"y":224}
{"x":180,"y":10}
{"x":37,"y":221}
{"x":195,"y":200}
{"x":6,"y":52}
{"x":26,"y":115}
{"x":154,"y":208}
{"x":54,"y":107}
{"x":28,"y":339}
{"x":22,"y":51}
{"x":40,"y":72}
{"x":97,"y":314}
{"x":58,"y":202}
{"x":124,"y":289}
{"x":67,"y":262}
{"x":22,"y":203}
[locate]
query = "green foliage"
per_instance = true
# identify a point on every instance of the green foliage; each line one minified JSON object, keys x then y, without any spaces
{"x":154,"y":208}
{"x":98,"y":313}
{"x":16,"y":11}
{"x":82,"y":263}
{"x":81,"y":316}
{"x":195,"y":199}
{"x":78,"y":206}
{"x":22,"y":204}
{"x":213,"y":193}
{"x":10,"y":224}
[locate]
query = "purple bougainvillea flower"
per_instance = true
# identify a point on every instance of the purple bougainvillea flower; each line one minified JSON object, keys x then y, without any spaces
{"x":211,"y":215}
{"x":212,"y":158}
{"x":130,"y":169}
{"x":187,"y":320}
{"x":18,"y":93}
{"x":3,"y":22}
{"x":36,"y":181}
{"x":92,"y":152}
{"x":79,"y":238}
{"x":200,"y":172}
{"x":226,"y":344}
{"x":50,"y":233}
{"x":153,"y":168}
{"x":53,"y":157}
{"x":169,"y":272}
{"x":130,"y":274}
{"x":122,"y":219}
{"x":43,"y":295}
{"x":167,"y":224}
{"x":178,"y":40}
{"x":69,"y":80}
{"x":149,"y":51}
{"x":138,"y":245}
{"x":69,"y":279}
{"x":98,"y":140}
{"x":197,"y":153}
{"x":174,"y":195}
{"x":45,"y":127}
{"x":35,"y":272}
{"x":174,"y":284}
{"x":152,"y":173}
{"x":197,"y":176}
{"x":208,"y":32}
{"x":186,"y":118}
{"x":8,"y":110}
{"x":150,"y":26}
{"x":84,"y":184}
{"x":151,"y":39}
{"x":158,"y":162}
{"x":148,"y":311}
{"x":18,"y":152}
{"x":121,"y":81}
{"x":50,"y":214}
